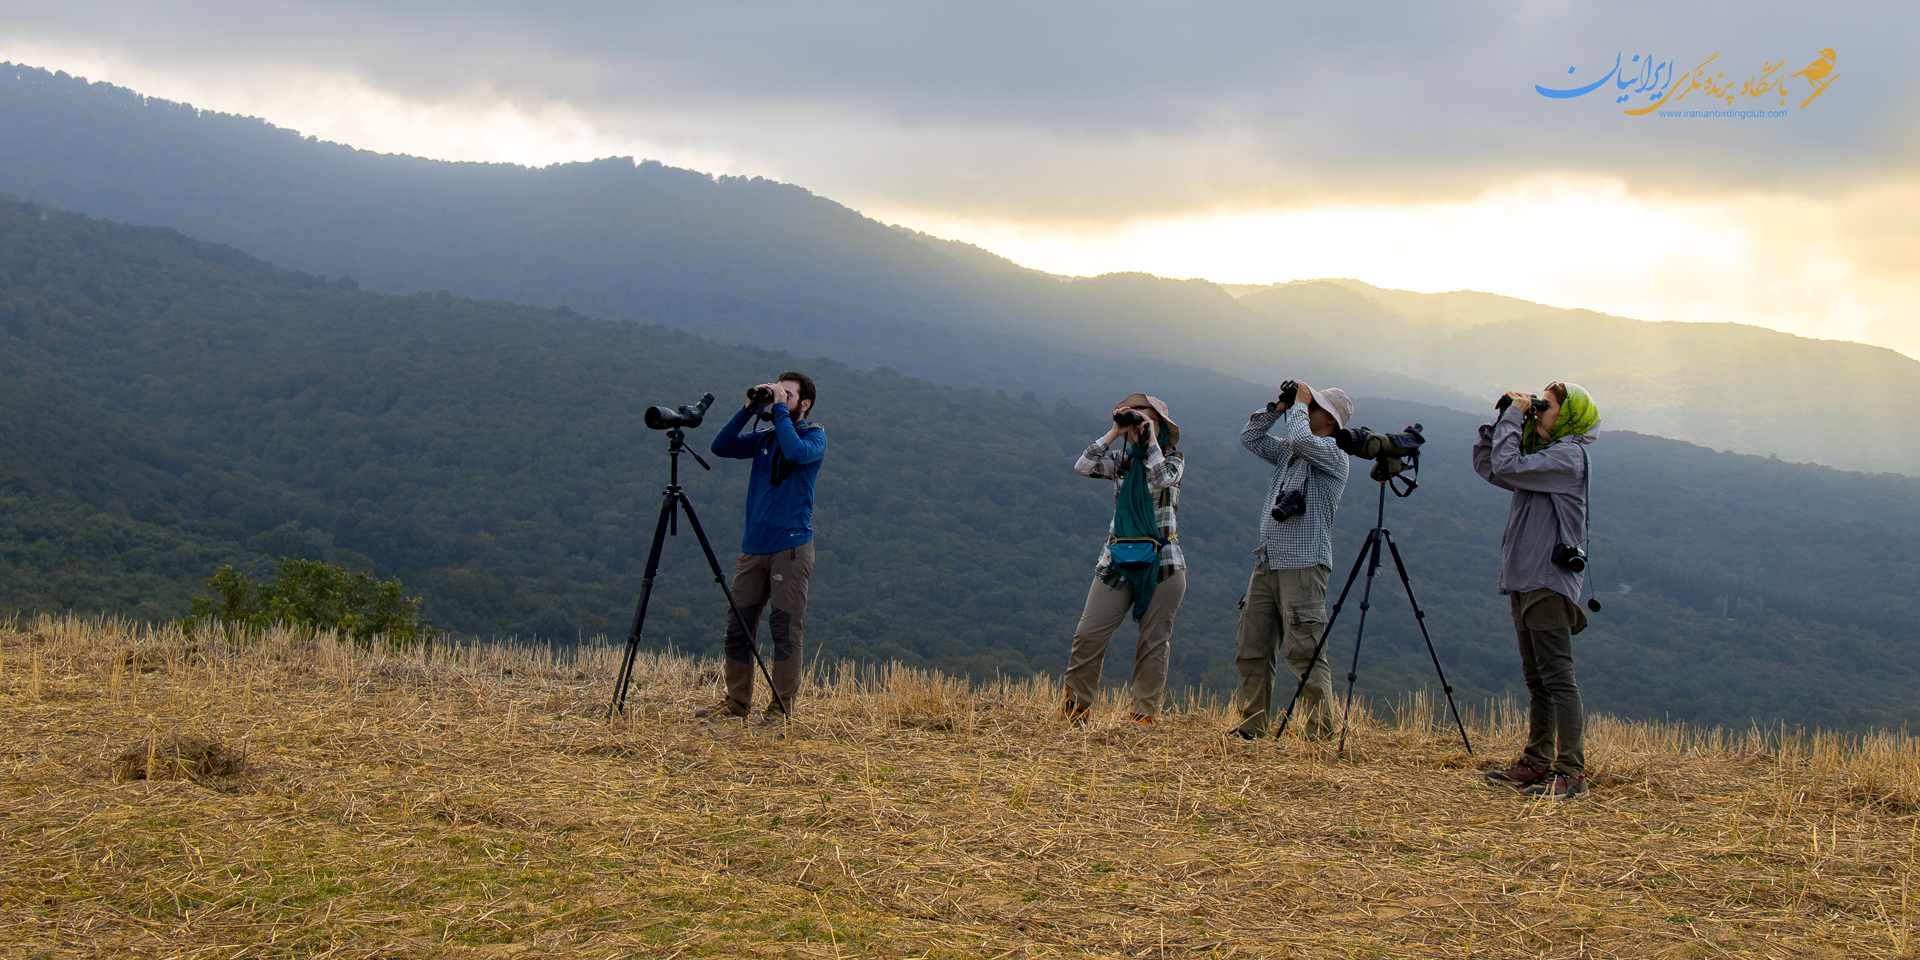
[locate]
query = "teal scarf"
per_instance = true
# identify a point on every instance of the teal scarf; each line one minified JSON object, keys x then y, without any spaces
{"x":1133,"y":516}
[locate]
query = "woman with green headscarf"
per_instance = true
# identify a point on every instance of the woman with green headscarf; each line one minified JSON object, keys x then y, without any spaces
{"x":1141,"y":569}
{"x":1537,"y":448}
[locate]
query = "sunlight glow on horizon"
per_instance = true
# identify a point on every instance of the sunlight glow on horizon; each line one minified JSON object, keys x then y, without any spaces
{"x":1580,"y":244}
{"x":1788,"y":264}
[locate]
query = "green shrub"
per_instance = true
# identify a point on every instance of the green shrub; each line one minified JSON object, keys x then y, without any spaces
{"x":310,"y":593}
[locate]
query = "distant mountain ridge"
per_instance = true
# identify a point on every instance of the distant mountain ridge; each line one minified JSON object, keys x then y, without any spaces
{"x":755,"y":261}
{"x":726,"y":257}
{"x":1726,"y":385}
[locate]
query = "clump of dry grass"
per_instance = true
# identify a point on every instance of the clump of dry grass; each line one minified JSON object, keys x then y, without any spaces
{"x":179,"y":756}
{"x":472,"y":801}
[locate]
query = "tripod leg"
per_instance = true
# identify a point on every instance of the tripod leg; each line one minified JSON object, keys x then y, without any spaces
{"x":1321,"y":647}
{"x":720,"y":578}
{"x":660,"y":526}
{"x":1359,"y":634}
{"x":1420,"y":617}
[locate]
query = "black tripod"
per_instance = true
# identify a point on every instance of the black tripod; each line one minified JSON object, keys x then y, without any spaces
{"x":1370,"y":555}
{"x":675,"y":501}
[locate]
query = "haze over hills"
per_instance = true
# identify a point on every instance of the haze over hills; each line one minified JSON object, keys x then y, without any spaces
{"x":181,"y":404}
{"x":731,"y":258}
{"x":1724,"y":385}
{"x":766,"y":263}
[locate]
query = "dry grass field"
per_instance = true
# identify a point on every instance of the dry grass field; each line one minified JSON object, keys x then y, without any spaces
{"x":298,"y":798}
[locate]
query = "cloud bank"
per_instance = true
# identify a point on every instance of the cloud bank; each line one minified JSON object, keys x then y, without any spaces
{"x":1080,"y":138}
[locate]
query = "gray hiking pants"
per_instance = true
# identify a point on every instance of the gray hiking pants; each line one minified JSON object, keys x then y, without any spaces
{"x":1556,"y":723}
{"x":760,"y":580}
{"x":1107,"y":608}
{"x":1285,"y":612}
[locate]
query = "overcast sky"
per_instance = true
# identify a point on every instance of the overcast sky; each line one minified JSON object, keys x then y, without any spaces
{"x":1404,"y":144}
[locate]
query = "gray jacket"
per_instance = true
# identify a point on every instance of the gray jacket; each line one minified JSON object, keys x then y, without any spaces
{"x":1554,"y":477}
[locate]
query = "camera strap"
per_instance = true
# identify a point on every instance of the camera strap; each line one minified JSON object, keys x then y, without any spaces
{"x":1586,"y":533}
{"x":1305,"y":476}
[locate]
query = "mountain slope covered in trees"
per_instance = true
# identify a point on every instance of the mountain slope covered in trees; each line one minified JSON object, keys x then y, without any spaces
{"x":733,"y":258}
{"x":183,"y":404}
{"x":754,"y":261}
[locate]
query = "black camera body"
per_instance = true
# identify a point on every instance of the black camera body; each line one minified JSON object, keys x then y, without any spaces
{"x":1569,"y":556}
{"x":1128,"y":418}
{"x":1289,"y":504}
{"x":668,"y":418}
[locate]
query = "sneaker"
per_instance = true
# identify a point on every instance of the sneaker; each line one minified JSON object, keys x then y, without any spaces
{"x":1518,"y":776}
{"x":727,"y":709}
{"x":1142,"y":721}
{"x":1074,"y":713}
{"x":1558,"y":787}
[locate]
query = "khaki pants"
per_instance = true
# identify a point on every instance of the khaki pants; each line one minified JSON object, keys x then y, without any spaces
{"x":1286,"y":611}
{"x":778,"y":580}
{"x":1107,"y":607}
{"x":1556,"y":721}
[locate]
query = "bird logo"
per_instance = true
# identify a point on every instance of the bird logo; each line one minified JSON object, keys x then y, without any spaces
{"x":1819,"y":74}
{"x":1818,"y":70}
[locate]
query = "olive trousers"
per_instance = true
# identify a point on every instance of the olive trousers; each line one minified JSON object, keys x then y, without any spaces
{"x":1284,"y":613}
{"x":1556,"y":721}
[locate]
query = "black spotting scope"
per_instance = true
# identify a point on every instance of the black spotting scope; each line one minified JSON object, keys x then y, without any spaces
{"x":668,"y":418}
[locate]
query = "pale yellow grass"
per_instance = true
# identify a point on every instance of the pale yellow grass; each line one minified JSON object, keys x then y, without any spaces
{"x":473,"y":802}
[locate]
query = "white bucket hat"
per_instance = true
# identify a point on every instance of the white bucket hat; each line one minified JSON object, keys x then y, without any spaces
{"x":1334,"y":401}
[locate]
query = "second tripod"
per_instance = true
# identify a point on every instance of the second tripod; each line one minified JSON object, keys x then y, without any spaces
{"x":1370,"y":558}
{"x":675,"y":500}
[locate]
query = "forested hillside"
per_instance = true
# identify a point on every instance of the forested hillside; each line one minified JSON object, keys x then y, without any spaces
{"x":735,"y":259}
{"x":769,"y":264}
{"x":175,"y":404}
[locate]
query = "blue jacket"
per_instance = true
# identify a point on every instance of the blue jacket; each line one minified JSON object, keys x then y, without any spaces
{"x":780,"y":491}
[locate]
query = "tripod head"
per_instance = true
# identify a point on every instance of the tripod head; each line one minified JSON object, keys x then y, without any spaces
{"x":677,"y":445}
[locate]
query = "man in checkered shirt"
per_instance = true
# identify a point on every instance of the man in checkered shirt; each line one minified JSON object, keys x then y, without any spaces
{"x":1286,"y":604}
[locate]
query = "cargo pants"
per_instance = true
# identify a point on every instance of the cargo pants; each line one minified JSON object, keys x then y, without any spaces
{"x":1284,"y":614}
{"x":762,"y":580}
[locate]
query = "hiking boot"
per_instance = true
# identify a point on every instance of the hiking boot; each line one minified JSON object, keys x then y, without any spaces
{"x":1519,"y":776}
{"x":1074,"y":713}
{"x":1238,"y":734}
{"x":726,"y":710}
{"x":1558,"y":787}
{"x":1142,"y":721}
{"x":773,"y":717}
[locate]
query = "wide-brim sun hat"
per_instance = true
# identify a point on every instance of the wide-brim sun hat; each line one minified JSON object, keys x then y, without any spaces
{"x":1160,"y":409}
{"x":1335,"y":402}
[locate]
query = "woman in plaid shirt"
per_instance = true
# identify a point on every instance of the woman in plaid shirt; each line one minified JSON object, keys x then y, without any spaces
{"x":1115,"y":585}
